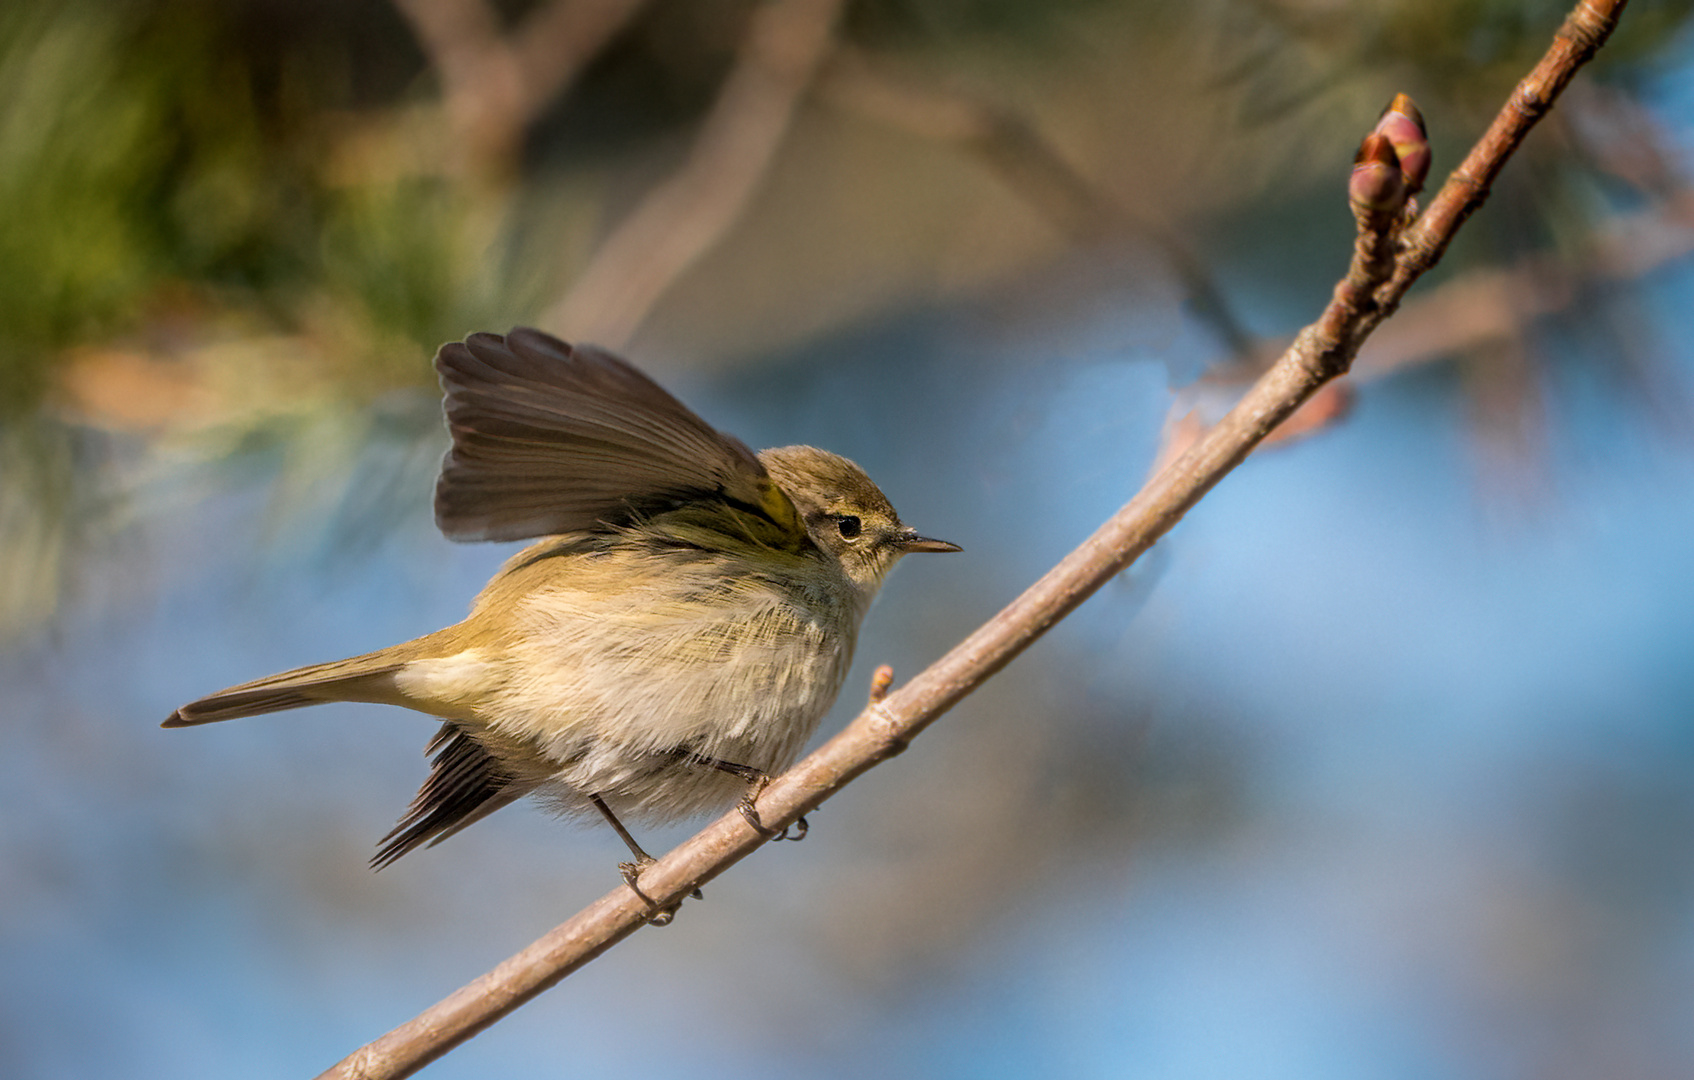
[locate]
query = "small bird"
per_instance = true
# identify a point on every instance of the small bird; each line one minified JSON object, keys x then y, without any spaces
{"x":670,"y":642}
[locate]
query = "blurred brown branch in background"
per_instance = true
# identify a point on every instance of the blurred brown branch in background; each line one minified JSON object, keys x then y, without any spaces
{"x":1495,"y":305}
{"x":495,"y":83}
{"x":1370,"y":292}
{"x":1031,"y":165}
{"x":680,"y":220}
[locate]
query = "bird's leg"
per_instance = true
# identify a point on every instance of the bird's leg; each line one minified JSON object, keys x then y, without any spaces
{"x":757,"y":781}
{"x":632,"y":870}
{"x":642,"y":859}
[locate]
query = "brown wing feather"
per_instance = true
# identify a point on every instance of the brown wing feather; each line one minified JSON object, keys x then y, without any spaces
{"x":551,"y":438}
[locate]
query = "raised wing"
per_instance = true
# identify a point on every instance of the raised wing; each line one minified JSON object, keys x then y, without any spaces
{"x":552,"y":438}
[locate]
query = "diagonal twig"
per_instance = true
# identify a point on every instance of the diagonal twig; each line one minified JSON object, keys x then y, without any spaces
{"x":1030,"y":164}
{"x":1371,"y":291}
{"x":494,"y":82}
{"x":681,"y":219}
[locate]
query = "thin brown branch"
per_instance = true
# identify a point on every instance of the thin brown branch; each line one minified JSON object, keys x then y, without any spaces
{"x":495,"y":83}
{"x":1585,"y":29}
{"x":1320,"y":353}
{"x":684,"y":217}
{"x":1034,"y":168}
{"x":1481,"y":296}
{"x":557,"y":41}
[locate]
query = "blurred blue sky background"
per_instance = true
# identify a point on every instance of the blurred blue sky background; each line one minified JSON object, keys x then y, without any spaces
{"x":1381,"y":765}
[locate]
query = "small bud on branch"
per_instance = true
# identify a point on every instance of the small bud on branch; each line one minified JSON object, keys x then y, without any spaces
{"x":1403,"y":124}
{"x":1377,"y":186}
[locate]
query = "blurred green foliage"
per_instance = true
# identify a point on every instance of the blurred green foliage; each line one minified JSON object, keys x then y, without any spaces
{"x":148,"y":162}
{"x":129,"y":156}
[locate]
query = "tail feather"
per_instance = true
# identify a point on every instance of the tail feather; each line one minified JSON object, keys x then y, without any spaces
{"x":466,"y":783}
{"x":362,"y":678}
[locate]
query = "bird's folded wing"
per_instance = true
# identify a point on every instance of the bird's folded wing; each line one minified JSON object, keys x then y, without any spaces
{"x":552,"y":438}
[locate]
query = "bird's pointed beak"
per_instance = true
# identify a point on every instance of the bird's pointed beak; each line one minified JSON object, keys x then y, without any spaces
{"x":909,"y":541}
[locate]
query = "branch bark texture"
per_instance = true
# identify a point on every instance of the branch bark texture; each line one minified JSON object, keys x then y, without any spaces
{"x":1320,"y":353}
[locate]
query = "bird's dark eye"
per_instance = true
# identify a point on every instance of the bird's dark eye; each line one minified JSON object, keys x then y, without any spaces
{"x":849,"y":525}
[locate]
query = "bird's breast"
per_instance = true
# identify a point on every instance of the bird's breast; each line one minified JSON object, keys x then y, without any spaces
{"x":730,"y":665}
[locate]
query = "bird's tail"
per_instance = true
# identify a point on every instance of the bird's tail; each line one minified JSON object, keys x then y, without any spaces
{"x":361,"y":678}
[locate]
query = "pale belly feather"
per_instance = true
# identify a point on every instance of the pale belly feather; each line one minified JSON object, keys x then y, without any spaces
{"x":608,"y":698}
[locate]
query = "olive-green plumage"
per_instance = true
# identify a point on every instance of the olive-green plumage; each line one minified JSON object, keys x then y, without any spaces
{"x":691,"y":605}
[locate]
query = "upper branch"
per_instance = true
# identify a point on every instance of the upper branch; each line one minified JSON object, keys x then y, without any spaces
{"x":1585,"y":29}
